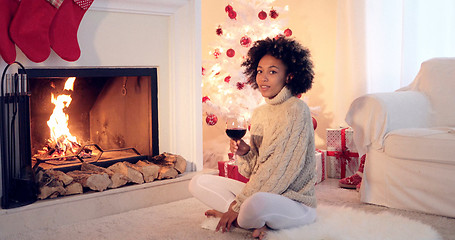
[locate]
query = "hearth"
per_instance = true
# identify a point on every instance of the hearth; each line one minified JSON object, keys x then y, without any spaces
{"x":113,"y":114}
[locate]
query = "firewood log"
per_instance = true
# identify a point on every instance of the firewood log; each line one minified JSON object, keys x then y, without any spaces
{"x":74,"y":188}
{"x":176,"y":161}
{"x":117,"y":179}
{"x":50,"y":174}
{"x":149,"y":170}
{"x":162,"y":160}
{"x":47,"y":191}
{"x":167,"y":172}
{"x":130,"y":165}
{"x":180,"y":164}
{"x":141,"y":163}
{"x":90,"y":167}
{"x":55,"y":194}
{"x":169,"y":160}
{"x":52,"y":183}
{"x":91,"y":179}
{"x":132,"y":174}
{"x":39,"y":176}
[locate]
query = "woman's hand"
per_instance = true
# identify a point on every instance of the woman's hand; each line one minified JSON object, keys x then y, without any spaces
{"x":227,"y":219}
{"x":239,"y":147}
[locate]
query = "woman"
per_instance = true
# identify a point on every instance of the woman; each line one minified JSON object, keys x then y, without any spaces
{"x":280,"y":157}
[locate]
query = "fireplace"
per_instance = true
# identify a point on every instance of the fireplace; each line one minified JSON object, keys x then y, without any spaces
{"x":160,"y":33}
{"x":113,"y":114}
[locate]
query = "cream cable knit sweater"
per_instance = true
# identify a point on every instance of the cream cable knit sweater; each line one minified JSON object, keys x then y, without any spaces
{"x":281,"y":158}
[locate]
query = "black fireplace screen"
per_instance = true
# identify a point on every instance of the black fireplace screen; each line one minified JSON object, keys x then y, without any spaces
{"x":113,"y":114}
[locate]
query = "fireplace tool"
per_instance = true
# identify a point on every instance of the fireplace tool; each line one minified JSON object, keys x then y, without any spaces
{"x":17,"y":178}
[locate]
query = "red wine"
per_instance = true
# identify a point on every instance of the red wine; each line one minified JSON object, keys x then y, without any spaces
{"x":236,"y":133}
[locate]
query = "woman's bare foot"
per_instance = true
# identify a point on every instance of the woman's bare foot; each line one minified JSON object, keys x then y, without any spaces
{"x":213,"y":213}
{"x":260,"y":232}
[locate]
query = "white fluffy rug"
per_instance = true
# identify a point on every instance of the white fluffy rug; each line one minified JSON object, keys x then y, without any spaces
{"x":182,"y":220}
{"x":344,"y":223}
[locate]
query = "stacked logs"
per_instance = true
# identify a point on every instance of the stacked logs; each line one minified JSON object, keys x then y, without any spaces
{"x":53,"y":183}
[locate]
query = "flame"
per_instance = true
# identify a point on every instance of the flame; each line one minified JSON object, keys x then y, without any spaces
{"x":69,"y":83}
{"x":61,"y":139}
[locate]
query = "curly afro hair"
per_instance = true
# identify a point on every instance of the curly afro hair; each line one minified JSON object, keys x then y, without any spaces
{"x":291,"y":53}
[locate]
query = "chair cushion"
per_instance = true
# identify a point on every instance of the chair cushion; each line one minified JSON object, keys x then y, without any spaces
{"x":436,"y":79}
{"x":425,"y":144}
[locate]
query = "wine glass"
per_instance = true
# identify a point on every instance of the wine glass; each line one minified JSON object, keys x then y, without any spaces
{"x":235,"y":128}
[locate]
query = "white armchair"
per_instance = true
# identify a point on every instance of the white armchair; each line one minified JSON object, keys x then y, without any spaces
{"x":409,"y":138}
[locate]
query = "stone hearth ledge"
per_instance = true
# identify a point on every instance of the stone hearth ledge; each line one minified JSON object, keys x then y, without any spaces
{"x":71,"y":209}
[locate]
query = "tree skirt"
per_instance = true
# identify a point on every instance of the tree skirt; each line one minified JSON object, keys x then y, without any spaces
{"x":339,"y":223}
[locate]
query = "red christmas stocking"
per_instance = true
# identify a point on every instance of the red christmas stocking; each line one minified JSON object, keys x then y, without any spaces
{"x":30,"y":27}
{"x":7,"y":47}
{"x":63,"y":30}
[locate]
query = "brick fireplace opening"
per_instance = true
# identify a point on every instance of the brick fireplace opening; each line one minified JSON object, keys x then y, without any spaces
{"x":113,"y":114}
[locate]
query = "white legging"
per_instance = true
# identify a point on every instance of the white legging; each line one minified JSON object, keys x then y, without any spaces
{"x":273,"y":210}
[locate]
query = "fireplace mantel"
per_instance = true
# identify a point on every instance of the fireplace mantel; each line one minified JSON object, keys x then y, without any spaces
{"x":155,"y":7}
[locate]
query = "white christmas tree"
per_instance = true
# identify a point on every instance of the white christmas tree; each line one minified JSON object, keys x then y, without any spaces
{"x":224,"y":85}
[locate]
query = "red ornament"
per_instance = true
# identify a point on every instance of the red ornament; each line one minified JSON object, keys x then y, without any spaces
{"x":245,"y":41}
{"x":240,"y":85}
{"x":211,"y":119}
{"x":228,"y":8}
{"x":299,"y":95}
{"x":205,"y":99}
{"x":232,"y":14}
{"x":227,"y":79}
{"x":273,"y":13}
{"x":287,"y":32}
{"x":315,"y":123}
{"x":216,"y":53}
{"x":262,"y":15}
{"x":203,"y":71}
{"x":230,"y":52}
{"x":219,"y":31}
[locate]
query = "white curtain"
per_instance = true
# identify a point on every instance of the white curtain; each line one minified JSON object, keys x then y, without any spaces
{"x":381,"y":44}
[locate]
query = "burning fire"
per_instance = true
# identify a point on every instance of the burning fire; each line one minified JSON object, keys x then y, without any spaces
{"x":61,"y":141}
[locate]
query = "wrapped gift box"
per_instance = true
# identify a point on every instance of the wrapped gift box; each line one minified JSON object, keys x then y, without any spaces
{"x":321,"y":173}
{"x":230,"y":170}
{"x":335,"y":141}
{"x":338,"y":167}
{"x":342,"y":159}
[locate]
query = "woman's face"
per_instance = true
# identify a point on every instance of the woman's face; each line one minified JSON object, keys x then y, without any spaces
{"x":271,"y":76}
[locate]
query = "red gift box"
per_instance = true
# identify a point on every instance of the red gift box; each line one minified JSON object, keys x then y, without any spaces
{"x":342,"y":156}
{"x":230,"y":170}
{"x":321,"y":173}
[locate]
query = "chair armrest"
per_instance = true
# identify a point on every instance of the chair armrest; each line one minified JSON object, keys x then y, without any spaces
{"x":372,"y":116}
